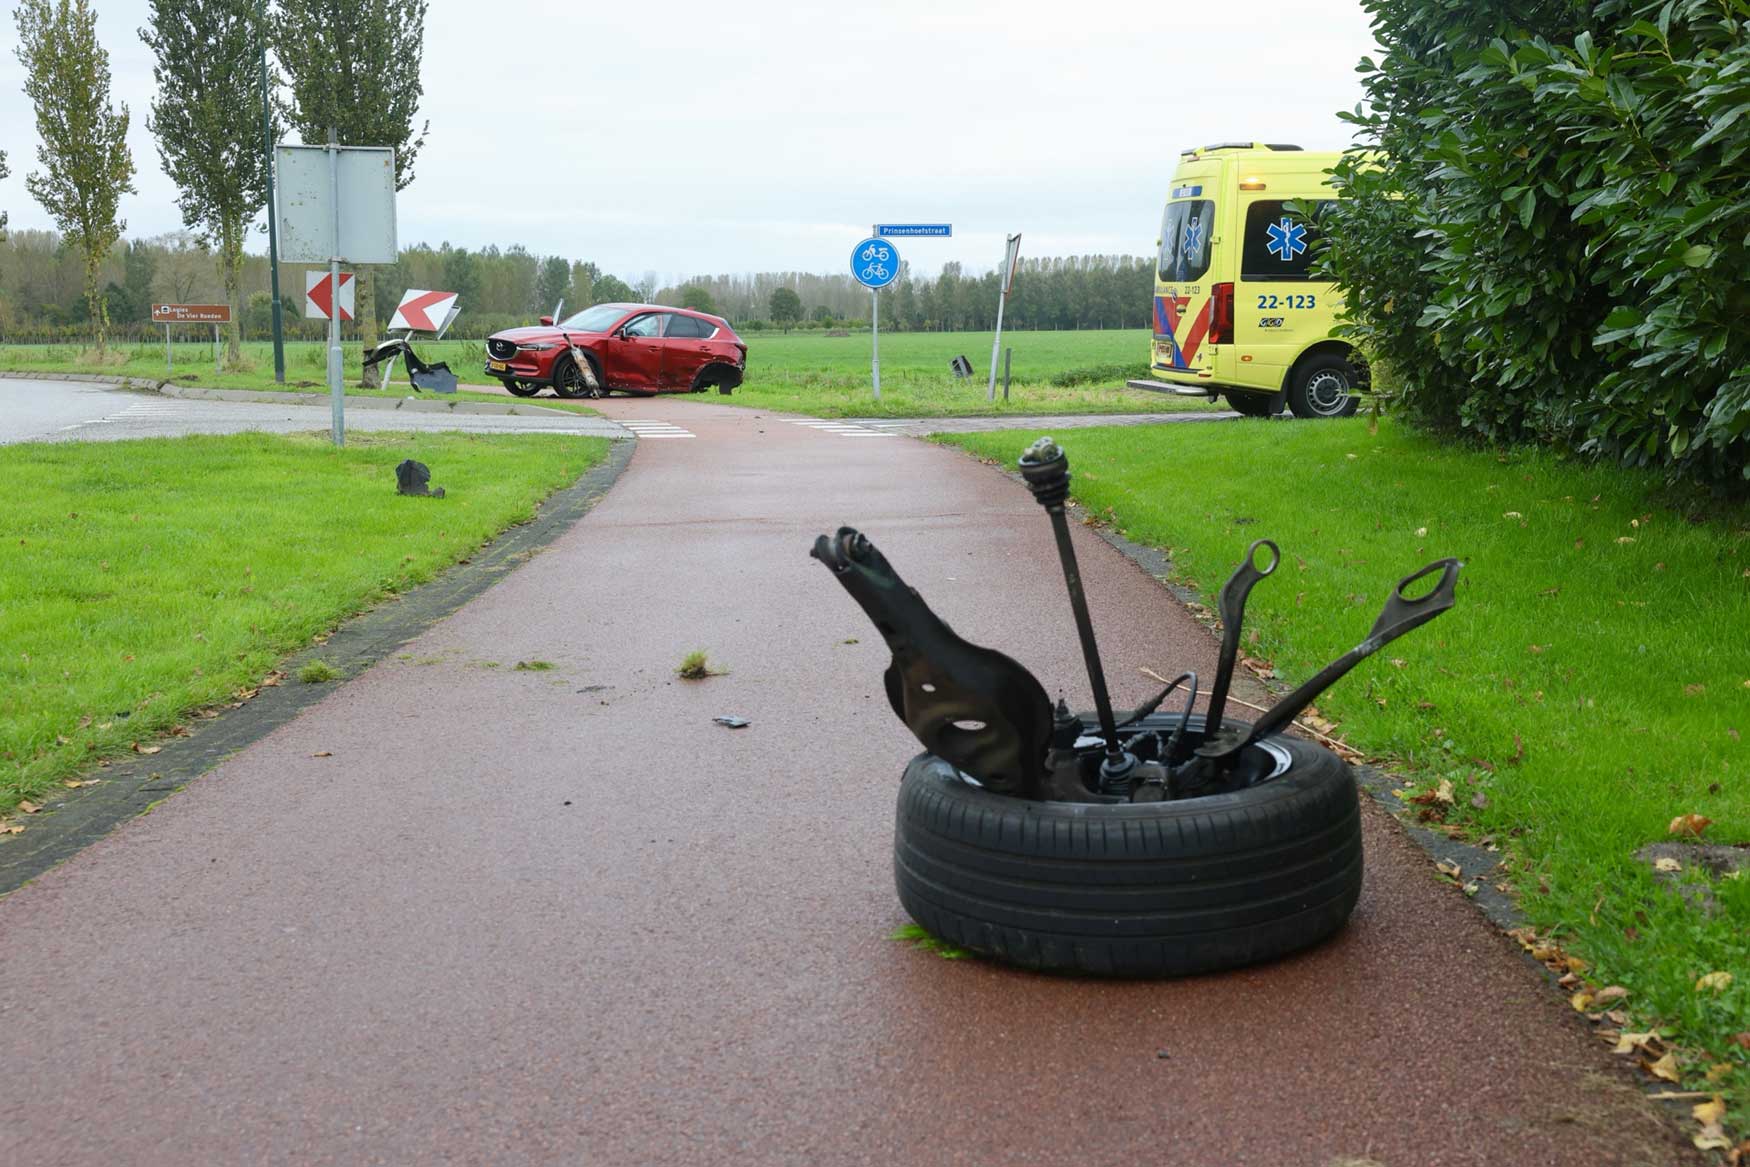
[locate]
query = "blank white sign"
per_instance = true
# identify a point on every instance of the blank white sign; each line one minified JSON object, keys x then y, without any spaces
{"x":305,"y":191}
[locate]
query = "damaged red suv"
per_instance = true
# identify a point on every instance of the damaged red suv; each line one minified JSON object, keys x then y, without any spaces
{"x":639,"y":348}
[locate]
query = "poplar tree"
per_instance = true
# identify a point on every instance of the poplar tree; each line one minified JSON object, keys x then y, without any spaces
{"x":352,"y":66}
{"x":4,"y":173}
{"x":207,"y":119}
{"x":84,"y":151}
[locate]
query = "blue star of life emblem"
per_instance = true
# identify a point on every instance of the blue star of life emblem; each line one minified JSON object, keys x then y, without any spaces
{"x":1194,"y":237}
{"x":1287,"y":239}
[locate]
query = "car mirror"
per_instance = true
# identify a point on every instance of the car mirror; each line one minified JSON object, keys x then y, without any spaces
{"x":546,"y":320}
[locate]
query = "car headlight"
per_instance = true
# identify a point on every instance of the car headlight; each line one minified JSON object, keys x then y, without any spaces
{"x":540,"y":347}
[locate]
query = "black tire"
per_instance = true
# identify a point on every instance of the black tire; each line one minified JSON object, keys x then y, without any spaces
{"x":1324,"y":386}
{"x":523,"y":388}
{"x":1252,"y":404}
{"x":569,"y":384}
{"x":1133,"y":889}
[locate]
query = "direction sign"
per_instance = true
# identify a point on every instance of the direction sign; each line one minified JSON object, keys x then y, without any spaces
{"x":913,"y":230}
{"x":423,"y":311}
{"x":319,"y":295}
{"x":191,"y":314}
{"x":875,"y":263}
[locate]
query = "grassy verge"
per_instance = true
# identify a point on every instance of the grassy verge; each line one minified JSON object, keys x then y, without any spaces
{"x":142,"y":580}
{"x":1590,"y":686}
{"x":828,"y":376}
{"x":306,"y":368}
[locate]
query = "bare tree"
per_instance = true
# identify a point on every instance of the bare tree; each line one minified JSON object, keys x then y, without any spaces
{"x":84,"y":151}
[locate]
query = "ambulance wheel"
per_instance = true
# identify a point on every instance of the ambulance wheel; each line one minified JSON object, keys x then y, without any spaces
{"x":1252,"y":404}
{"x":1324,"y":386}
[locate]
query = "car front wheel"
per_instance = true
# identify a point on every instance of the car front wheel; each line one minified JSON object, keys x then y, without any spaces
{"x":522,"y":388}
{"x":568,"y":381}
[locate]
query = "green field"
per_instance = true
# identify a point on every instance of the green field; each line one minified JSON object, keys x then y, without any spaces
{"x":1590,"y":685}
{"x":134,"y":590}
{"x":803,"y":371}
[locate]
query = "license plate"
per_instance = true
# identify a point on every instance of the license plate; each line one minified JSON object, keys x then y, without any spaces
{"x":497,"y":366}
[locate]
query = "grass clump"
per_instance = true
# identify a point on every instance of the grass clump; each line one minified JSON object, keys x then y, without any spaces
{"x":696,"y":666}
{"x":1589,"y":687}
{"x":534,"y":666}
{"x":318,"y":672}
{"x":152,"y":578}
{"x":918,"y":937}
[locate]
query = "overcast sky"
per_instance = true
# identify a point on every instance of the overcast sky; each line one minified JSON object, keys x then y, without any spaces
{"x":690,"y":138}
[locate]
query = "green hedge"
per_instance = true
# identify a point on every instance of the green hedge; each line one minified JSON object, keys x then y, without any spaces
{"x":1548,"y":221}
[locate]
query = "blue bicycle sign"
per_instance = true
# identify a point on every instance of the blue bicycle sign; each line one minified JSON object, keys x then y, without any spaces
{"x":875,"y":263}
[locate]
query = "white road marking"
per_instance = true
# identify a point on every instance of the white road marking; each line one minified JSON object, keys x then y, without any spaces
{"x":657,"y":429}
{"x":843,"y":429}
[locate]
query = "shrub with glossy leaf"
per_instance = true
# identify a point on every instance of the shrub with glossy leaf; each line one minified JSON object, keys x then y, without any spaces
{"x":1547,"y":227}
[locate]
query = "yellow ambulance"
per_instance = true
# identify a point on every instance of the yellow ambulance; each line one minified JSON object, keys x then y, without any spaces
{"x":1236,"y":313}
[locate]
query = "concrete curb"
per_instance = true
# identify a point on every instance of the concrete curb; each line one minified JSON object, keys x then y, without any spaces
{"x":130,"y":785}
{"x":289,"y":397}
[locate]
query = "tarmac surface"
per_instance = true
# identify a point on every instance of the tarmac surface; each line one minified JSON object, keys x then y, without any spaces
{"x":461,"y":913}
{"x":69,"y":411}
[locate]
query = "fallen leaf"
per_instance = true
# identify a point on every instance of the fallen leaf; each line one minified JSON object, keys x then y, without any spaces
{"x":1665,"y":1067}
{"x":1443,"y":793}
{"x":1479,"y":800}
{"x":140,"y":749}
{"x":1581,"y":1001}
{"x":1710,"y":1114}
{"x":7,"y":828}
{"x":1666,"y":863}
{"x":1741,"y":1040}
{"x":1690,"y":824}
{"x":1694,"y":690}
{"x":1625,"y":538}
{"x":1449,"y":868}
{"x":323,"y":754}
{"x":1719,"y":1071}
{"x":1421,"y":532}
{"x":1610,"y":993}
{"x":28,"y":807}
{"x":1719,"y":982}
{"x":75,"y":784}
{"x":1629,"y":1043}
{"x":1512,"y":515}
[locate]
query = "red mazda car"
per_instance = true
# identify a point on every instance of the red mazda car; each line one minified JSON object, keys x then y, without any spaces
{"x":640,"y":348}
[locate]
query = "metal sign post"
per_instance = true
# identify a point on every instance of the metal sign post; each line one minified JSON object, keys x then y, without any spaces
{"x":875,"y":264}
{"x":1010,"y":253}
{"x":336,"y":204}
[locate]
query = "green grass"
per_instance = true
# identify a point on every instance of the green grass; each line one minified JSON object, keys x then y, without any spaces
{"x":306,"y":368}
{"x":142,"y":580}
{"x":317,"y":672}
{"x":696,"y":666}
{"x":925,"y":941}
{"x":828,"y":376}
{"x":803,"y":372}
{"x":1591,"y":684}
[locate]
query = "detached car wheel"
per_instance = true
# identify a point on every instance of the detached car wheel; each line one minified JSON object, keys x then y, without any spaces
{"x":1143,"y":889}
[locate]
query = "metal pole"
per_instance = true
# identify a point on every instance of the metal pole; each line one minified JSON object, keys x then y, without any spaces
{"x":1008,"y":355}
{"x":336,"y":389}
{"x":169,"y":369}
{"x":273,"y":234}
{"x":875,"y":339}
{"x":997,"y":340}
{"x":216,"y":366}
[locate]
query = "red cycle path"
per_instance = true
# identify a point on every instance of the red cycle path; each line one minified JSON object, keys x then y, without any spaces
{"x":561,"y":917}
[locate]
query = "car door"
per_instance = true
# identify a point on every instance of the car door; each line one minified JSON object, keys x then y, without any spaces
{"x":1278,"y":308}
{"x":637,"y":354}
{"x":685,"y":350}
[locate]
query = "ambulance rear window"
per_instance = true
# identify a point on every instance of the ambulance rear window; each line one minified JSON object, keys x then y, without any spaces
{"x":1279,"y":239}
{"x":1185,"y":231}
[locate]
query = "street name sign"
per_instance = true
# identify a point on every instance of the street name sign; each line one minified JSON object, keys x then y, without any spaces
{"x":914,"y":230}
{"x":191,"y":314}
{"x":875,"y":263}
{"x":319,"y":295}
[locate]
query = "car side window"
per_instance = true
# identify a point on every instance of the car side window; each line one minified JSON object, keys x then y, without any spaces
{"x":649,"y":324}
{"x":688,"y":326}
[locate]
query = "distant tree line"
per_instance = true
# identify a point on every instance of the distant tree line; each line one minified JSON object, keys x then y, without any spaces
{"x":42,"y":290}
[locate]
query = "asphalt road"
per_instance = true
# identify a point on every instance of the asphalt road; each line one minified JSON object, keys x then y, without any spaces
{"x":62,"y":411}
{"x":458,"y":913}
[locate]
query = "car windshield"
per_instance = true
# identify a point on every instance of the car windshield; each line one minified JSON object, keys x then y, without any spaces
{"x":596,"y":319}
